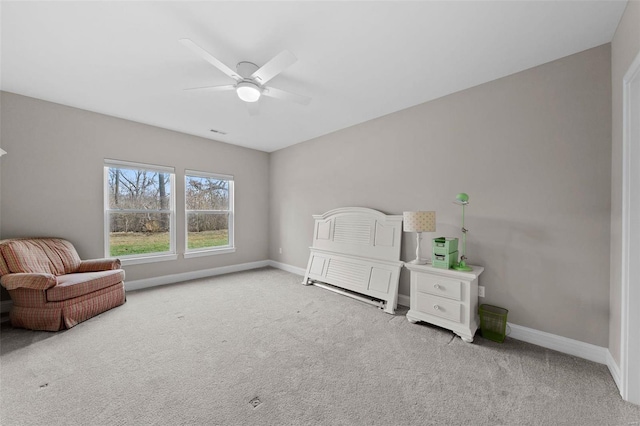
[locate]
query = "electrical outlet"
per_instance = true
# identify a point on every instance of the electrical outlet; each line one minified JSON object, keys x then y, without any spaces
{"x":280,"y":250}
{"x":480,"y":291}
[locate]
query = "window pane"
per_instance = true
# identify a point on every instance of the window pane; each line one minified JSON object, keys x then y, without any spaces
{"x":207,"y":230}
{"x":206,"y":193}
{"x":138,"y":233}
{"x":138,"y":189}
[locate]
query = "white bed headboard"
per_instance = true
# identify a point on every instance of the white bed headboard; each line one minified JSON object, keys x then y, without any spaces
{"x":357,"y":249}
{"x":360,"y":232}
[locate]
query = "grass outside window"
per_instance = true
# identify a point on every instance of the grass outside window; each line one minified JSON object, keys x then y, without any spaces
{"x":135,"y":243}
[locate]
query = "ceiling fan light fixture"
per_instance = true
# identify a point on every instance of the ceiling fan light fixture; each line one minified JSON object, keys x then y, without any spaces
{"x":248,"y":92}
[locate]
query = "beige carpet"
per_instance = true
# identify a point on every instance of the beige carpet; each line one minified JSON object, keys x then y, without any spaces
{"x":258,"y":348}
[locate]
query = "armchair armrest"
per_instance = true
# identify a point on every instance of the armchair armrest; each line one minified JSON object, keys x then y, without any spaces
{"x":97,"y":265}
{"x":34,"y":281}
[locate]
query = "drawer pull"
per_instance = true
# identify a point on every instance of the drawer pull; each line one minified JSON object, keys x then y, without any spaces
{"x":436,"y":307}
{"x":436,"y":286}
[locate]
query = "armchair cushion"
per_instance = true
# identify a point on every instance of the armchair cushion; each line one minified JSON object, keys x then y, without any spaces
{"x":26,"y":280}
{"x":40,"y":255}
{"x":74,"y":285}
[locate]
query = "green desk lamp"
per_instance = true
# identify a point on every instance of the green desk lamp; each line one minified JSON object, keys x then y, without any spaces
{"x":463,"y":199}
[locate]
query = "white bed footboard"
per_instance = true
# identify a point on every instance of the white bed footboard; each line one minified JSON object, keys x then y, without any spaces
{"x":358,"y":249}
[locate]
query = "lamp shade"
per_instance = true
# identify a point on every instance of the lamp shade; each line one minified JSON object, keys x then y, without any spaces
{"x":419,"y":221}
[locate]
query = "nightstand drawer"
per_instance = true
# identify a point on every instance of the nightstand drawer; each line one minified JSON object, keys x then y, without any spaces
{"x":439,"y":307}
{"x":438,"y":286}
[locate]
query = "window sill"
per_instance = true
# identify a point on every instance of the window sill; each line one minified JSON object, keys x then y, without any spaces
{"x":209,"y":252}
{"x":147,"y":259}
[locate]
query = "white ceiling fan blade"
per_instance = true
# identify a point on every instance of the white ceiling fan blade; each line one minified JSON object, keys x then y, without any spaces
{"x":274,"y":67}
{"x":214,"y":88}
{"x":209,"y":58}
{"x":287,"y":96}
{"x":253,"y":107}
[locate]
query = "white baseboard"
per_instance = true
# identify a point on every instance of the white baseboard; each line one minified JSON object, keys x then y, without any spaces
{"x":186,"y":276}
{"x":568,"y":346}
{"x":5,"y":305}
{"x":561,"y":344}
{"x":565,"y":345}
{"x":288,"y":268}
{"x":614,"y":369}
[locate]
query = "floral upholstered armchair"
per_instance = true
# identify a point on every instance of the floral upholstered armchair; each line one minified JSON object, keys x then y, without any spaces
{"x":51,"y":288}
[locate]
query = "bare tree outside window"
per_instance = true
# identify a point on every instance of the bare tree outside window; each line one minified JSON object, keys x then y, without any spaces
{"x":139,"y":211}
{"x":209,"y":209}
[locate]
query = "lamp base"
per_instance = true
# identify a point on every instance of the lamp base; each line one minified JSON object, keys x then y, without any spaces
{"x":419,"y":261}
{"x":462,"y":266}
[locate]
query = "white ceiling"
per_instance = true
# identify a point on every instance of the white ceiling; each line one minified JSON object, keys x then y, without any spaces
{"x":357,"y":60}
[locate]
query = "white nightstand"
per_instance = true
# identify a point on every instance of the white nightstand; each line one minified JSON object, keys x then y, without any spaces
{"x":446,"y":298}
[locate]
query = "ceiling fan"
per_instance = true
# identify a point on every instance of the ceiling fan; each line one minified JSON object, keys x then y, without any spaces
{"x":250,"y":79}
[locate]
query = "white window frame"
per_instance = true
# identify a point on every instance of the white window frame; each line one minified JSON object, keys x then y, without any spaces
{"x":147,"y":257}
{"x":230,"y":248}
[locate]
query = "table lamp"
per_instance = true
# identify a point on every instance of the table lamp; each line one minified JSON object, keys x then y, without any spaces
{"x":463,"y":199}
{"x":419,"y":222}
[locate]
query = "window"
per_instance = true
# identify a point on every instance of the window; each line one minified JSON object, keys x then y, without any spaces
{"x":208,"y":212}
{"x":139,"y":211}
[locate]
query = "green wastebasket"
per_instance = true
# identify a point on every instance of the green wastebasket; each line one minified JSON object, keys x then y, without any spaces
{"x":493,"y":322}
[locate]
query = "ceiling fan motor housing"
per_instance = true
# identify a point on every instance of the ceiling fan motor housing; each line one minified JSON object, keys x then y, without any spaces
{"x":248,"y":89}
{"x":246,"y":69}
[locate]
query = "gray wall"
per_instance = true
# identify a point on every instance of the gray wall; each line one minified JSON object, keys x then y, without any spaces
{"x":533,"y":151}
{"x":624,"y":49}
{"x":52,"y":179}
